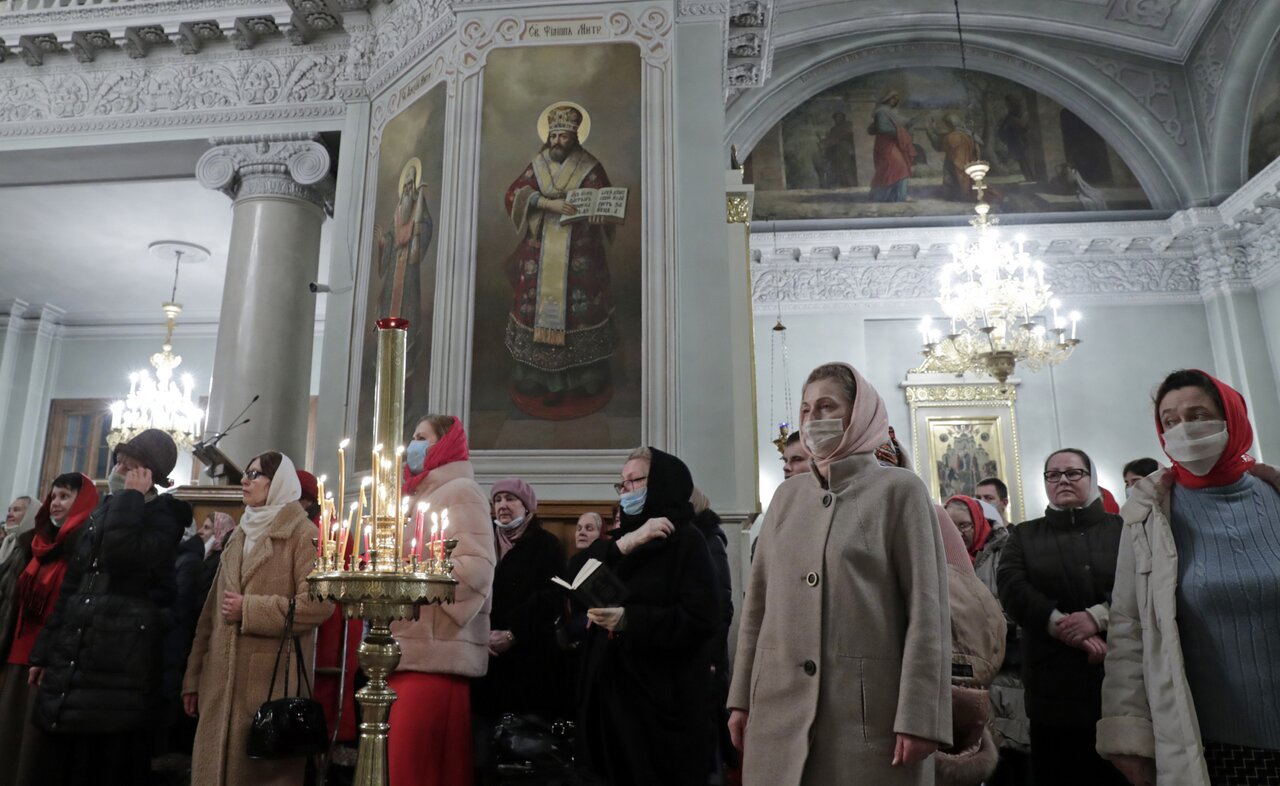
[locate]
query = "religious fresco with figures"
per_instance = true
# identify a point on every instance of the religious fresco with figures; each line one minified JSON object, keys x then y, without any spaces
{"x":402,"y":274}
{"x":1264,"y":125}
{"x":556,"y":349}
{"x":895,"y":143}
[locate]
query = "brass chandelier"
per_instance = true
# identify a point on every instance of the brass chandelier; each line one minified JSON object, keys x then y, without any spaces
{"x":1000,"y":310}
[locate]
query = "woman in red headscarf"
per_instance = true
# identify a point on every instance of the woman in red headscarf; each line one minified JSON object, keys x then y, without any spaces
{"x":447,"y":646}
{"x":1193,"y":666}
{"x":59,"y":523}
{"x":967,"y":514}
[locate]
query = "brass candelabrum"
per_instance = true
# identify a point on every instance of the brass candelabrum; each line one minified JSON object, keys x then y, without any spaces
{"x":391,"y":580}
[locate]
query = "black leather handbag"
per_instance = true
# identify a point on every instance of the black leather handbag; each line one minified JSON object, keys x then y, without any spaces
{"x":290,"y":727}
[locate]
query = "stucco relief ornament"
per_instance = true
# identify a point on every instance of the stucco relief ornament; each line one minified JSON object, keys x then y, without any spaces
{"x":281,"y":165}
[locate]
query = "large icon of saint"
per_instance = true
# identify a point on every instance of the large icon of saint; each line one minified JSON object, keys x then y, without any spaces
{"x":400,"y":252}
{"x":560,"y":330}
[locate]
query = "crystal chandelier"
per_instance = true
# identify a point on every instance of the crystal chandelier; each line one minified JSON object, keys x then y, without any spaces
{"x":995,"y":297}
{"x":159,"y":402}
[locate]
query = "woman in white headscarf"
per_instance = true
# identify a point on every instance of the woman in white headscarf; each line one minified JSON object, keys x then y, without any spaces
{"x":264,"y":565}
{"x":843,"y":672}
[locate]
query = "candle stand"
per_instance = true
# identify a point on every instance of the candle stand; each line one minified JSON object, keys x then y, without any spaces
{"x":394,"y":578}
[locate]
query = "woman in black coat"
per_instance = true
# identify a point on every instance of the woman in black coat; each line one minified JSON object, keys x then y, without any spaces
{"x":98,"y":661}
{"x":1055,"y":578}
{"x":524,"y":660}
{"x":645,"y":714}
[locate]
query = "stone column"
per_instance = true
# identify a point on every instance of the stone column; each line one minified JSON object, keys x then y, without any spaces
{"x":1238,"y":337}
{"x":280,"y":186}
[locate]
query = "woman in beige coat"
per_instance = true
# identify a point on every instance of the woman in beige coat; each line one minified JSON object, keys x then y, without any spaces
{"x":264,"y":564}
{"x":843,"y":668}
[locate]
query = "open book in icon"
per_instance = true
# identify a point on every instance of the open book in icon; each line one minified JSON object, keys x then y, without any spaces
{"x":595,"y":586}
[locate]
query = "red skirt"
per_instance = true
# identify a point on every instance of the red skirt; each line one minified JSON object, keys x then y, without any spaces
{"x":430,"y":739}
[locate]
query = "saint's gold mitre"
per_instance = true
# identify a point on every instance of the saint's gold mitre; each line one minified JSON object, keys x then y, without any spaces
{"x":563,"y":118}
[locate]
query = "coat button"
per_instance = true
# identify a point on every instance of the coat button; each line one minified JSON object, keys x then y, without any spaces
{"x":826,"y":500}
{"x":811,"y":579}
{"x":810,"y":668}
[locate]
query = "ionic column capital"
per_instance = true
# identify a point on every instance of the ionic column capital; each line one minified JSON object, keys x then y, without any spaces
{"x":289,"y":165}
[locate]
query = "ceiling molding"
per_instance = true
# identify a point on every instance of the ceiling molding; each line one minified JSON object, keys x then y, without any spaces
{"x":1186,"y":258}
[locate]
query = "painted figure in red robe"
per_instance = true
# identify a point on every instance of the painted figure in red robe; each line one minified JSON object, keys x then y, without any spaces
{"x":560,"y":330}
{"x":894,"y":150}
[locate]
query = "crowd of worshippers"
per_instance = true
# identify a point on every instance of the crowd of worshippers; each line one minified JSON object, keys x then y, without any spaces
{"x":885,"y":637}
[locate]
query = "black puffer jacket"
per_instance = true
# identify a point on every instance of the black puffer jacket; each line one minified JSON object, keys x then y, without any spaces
{"x":1064,"y":561}
{"x":101,"y":648}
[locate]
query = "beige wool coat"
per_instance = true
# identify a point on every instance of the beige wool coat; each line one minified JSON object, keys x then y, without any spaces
{"x":845,"y":638}
{"x":453,"y":638}
{"x":230,"y":664}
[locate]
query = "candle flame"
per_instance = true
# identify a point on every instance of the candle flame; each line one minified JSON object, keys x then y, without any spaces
{"x":399,"y":449}
{"x":377,"y":448}
{"x":354,"y":505}
{"x":343,"y":444}
{"x":367,"y":480}
{"x":422,"y":506}
{"x":323,"y":478}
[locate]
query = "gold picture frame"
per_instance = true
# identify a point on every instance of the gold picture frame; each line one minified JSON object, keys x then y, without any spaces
{"x":963,"y":432}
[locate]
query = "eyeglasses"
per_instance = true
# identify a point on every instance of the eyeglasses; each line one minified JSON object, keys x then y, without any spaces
{"x":628,"y":484}
{"x":1053,"y":475}
{"x":254,"y":474}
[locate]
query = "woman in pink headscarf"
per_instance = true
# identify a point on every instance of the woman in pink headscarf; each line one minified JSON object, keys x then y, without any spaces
{"x":843,"y":671}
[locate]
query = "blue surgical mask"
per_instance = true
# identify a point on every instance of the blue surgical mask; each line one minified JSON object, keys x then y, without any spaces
{"x":633,"y":501}
{"x":416,"y":456}
{"x":115,"y":483}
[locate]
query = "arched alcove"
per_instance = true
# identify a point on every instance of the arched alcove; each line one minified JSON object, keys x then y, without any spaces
{"x":1233,"y":72}
{"x":1157,"y":153}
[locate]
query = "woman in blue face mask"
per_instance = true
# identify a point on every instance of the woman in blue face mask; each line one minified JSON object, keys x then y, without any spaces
{"x":646,"y":683}
{"x":442,"y":650}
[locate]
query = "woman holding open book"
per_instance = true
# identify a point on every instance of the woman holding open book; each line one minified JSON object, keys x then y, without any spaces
{"x":645,"y":691}
{"x":447,"y":645}
{"x":843,"y":672}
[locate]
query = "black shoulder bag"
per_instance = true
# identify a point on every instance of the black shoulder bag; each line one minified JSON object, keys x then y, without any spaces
{"x":292,"y":726}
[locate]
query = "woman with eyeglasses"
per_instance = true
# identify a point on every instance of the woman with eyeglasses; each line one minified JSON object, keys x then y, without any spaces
{"x":1193,"y":674}
{"x":229,"y":672}
{"x":645,"y":692}
{"x":1055,"y":580}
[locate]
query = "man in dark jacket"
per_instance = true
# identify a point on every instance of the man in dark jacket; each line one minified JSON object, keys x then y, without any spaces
{"x":98,"y":661}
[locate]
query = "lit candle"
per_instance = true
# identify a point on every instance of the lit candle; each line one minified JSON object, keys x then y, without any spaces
{"x":342,"y":471}
{"x":418,"y":519}
{"x":435,"y":527}
{"x":413,"y":548}
{"x":1056,"y":304}
{"x":924,"y":328}
{"x":399,"y":473}
{"x":368,"y":540}
{"x":366,"y":481}
{"x":1075,"y":318}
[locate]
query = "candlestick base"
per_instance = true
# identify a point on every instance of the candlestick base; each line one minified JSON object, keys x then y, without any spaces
{"x":379,"y":598}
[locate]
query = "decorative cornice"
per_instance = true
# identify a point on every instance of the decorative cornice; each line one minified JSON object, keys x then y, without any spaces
{"x":748,"y":44}
{"x":694,"y":9}
{"x":291,"y":165}
{"x":171,"y":92}
{"x":1193,"y":255}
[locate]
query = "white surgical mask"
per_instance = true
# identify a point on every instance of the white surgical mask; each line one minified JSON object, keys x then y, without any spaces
{"x":1196,"y":444}
{"x":515,"y":522}
{"x":822,"y":436}
{"x":115,"y":483}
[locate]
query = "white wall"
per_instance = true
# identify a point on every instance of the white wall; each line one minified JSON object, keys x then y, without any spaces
{"x":1103,"y":390}
{"x":95,"y":366}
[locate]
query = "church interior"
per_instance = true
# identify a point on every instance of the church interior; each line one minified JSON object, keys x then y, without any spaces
{"x":1013,"y":218}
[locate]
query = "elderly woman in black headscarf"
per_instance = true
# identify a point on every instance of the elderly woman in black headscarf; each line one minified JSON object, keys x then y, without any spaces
{"x":647,"y":664}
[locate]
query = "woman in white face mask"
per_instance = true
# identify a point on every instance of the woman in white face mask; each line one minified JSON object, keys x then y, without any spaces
{"x":843,"y":667}
{"x":1194,"y":667}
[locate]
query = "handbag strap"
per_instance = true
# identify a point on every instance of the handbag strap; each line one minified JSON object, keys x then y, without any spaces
{"x":288,"y":634}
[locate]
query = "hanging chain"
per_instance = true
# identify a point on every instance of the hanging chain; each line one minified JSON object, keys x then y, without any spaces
{"x":177,"y":265}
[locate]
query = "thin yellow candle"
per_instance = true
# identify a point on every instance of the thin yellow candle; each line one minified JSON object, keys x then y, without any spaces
{"x":373,"y":495}
{"x":366,"y":481}
{"x":346,"y":535}
{"x":399,"y":470}
{"x":342,"y":471}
